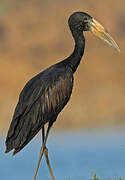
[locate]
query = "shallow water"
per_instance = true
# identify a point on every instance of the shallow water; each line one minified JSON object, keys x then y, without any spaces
{"x":72,"y":155}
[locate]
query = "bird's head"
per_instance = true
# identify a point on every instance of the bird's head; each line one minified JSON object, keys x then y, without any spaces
{"x":80,"y":21}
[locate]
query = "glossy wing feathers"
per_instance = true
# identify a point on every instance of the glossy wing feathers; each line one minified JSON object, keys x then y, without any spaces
{"x":40,"y":101}
{"x":23,"y":128}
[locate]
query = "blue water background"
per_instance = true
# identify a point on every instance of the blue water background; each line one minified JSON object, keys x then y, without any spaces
{"x":72,"y":155}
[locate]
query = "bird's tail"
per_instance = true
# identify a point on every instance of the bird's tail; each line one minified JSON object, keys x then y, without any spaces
{"x":23,"y":129}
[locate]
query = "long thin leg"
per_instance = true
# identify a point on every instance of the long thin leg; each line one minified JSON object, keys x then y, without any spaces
{"x":43,"y":134}
{"x":48,"y":163}
{"x":46,"y":155}
{"x":42,"y":150}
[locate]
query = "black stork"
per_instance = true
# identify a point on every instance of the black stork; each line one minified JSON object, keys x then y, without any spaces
{"x":46,"y":94}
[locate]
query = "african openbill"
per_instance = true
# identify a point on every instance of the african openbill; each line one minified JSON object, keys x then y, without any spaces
{"x":46,"y":94}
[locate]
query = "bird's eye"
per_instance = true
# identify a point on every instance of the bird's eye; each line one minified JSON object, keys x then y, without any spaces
{"x":85,"y":19}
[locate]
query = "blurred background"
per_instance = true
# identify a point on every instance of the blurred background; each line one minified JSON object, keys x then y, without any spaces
{"x":34,"y":35}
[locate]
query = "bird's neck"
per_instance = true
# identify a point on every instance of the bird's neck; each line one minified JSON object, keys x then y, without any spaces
{"x":74,"y":59}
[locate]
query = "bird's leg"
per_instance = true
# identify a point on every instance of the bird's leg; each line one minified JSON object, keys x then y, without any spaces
{"x":48,"y":163}
{"x":46,"y":155}
{"x":42,"y":150}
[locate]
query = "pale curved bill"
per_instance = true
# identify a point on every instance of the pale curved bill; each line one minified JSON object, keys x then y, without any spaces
{"x":97,"y":29}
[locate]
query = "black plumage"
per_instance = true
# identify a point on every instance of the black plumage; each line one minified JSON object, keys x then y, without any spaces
{"x":40,"y":102}
{"x":45,"y":95}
